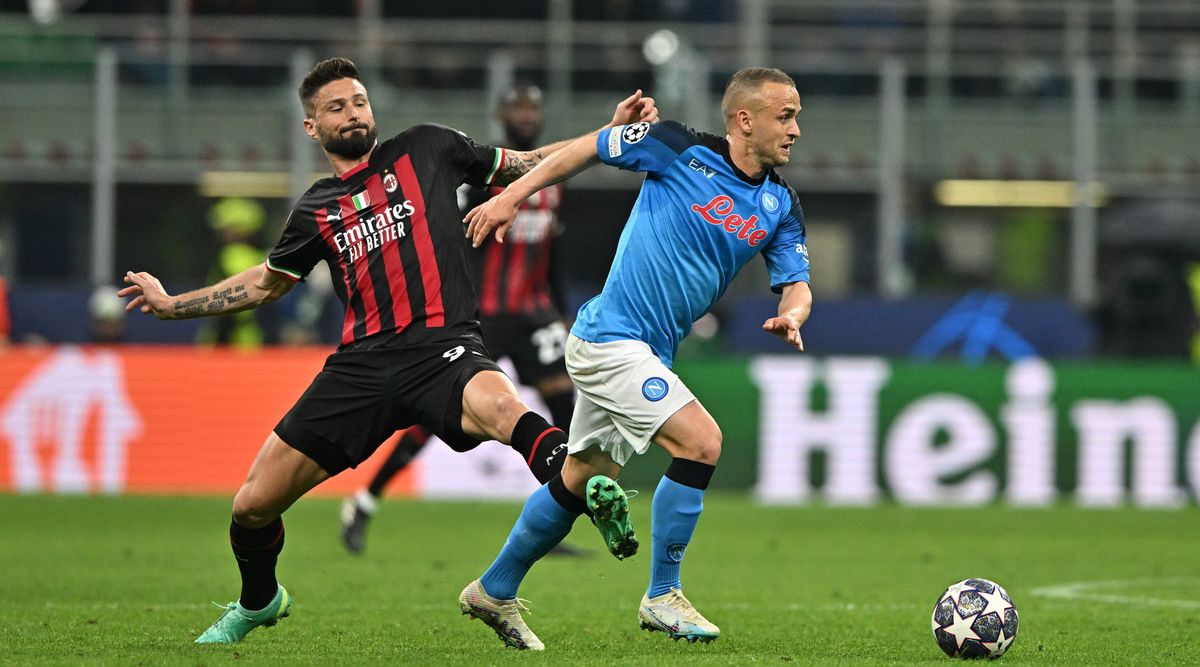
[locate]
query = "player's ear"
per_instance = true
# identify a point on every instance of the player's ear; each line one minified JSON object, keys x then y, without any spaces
{"x":745,"y":120}
{"x":310,"y":128}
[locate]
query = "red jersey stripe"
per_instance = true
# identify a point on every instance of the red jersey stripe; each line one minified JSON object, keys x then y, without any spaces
{"x":431,"y":278}
{"x":327,"y":233}
{"x":516,"y":277}
{"x":539,"y":280}
{"x":397,"y":283}
{"x":362,"y":273}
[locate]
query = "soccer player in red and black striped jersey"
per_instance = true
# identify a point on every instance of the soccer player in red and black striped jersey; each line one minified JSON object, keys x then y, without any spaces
{"x":517,"y":307}
{"x":389,"y":226}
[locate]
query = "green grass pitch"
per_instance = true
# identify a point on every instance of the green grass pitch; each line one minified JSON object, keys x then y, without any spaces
{"x":128,"y":581}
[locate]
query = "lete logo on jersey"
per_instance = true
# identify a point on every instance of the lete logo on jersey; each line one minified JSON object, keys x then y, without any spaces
{"x":719,"y":212}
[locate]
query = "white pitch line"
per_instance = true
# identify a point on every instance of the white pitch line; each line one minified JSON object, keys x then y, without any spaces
{"x":1088,"y":590}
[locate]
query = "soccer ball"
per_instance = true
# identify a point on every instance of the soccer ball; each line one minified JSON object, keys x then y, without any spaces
{"x":975,"y":618}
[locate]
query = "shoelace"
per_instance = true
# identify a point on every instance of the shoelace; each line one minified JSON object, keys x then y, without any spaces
{"x":684,"y":608}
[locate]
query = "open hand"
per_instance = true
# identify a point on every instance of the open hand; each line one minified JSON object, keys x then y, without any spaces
{"x":786,"y":328}
{"x":496,"y":213}
{"x":148,"y":295}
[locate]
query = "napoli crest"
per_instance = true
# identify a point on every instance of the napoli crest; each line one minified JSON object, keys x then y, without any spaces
{"x":634,"y":133}
{"x":770,"y":202}
{"x":655,"y":389}
{"x":675,"y":552}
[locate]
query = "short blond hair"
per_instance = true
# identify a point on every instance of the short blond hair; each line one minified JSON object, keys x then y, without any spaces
{"x":745,"y":83}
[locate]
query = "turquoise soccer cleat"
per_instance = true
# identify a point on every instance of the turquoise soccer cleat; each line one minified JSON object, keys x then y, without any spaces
{"x":237,"y":622}
{"x":610,"y":512}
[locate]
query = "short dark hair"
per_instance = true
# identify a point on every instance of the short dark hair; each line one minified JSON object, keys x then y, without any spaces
{"x":746,"y":82}
{"x":323,"y":73}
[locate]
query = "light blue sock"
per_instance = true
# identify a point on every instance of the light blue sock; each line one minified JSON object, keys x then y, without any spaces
{"x":542,"y":525}
{"x":673,"y":515}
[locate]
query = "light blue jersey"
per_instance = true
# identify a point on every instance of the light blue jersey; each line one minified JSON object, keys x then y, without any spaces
{"x":697,"y":221}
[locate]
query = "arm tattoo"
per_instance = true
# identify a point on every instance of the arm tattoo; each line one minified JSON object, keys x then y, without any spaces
{"x":211,"y":304}
{"x":191,"y":306}
{"x":518,"y":163}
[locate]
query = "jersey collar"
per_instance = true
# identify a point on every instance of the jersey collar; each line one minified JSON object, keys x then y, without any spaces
{"x":738,"y":172}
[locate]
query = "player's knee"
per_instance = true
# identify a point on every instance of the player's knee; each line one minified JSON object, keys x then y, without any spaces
{"x":251,"y":510}
{"x":706,"y":446}
{"x":507,"y":410}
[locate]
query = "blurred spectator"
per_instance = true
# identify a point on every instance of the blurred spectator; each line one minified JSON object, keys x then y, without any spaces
{"x":236,"y":222}
{"x":106,"y":316}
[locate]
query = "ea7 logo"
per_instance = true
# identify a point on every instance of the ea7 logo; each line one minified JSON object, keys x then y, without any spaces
{"x":634,"y":133}
{"x":699,"y":166}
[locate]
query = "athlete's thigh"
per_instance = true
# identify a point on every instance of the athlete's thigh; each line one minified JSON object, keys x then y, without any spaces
{"x":689,"y":429}
{"x":347,"y":411}
{"x":279,"y":476}
{"x":630,"y":383}
{"x":491,"y":406}
{"x":434,"y":391}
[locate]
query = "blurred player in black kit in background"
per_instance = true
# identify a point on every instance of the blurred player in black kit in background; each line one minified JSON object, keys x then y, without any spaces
{"x":519,"y":306}
{"x":388,"y":225}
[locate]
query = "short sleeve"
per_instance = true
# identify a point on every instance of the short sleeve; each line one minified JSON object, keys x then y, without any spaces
{"x":298,"y":249}
{"x":643,"y":146}
{"x":476,"y":163}
{"x":787,"y":254}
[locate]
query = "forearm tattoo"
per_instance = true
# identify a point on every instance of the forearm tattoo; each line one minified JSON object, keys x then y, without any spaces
{"x":211,"y":304}
{"x":518,"y":163}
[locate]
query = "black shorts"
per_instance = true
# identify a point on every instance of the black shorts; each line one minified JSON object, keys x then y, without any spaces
{"x":535,"y":345}
{"x":361,"y":397}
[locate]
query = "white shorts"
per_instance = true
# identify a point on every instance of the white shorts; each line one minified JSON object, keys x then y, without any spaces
{"x":625,"y":395}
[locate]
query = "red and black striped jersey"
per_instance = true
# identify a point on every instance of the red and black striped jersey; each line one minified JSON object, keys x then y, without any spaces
{"x":514,"y":277}
{"x":392,"y":234}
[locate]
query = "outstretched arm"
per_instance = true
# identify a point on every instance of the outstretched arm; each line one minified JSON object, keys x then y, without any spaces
{"x":794,"y":309}
{"x":499,"y":212}
{"x":249,"y":289}
{"x":632,"y":109}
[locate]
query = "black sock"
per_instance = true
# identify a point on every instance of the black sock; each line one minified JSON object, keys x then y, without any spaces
{"x":561,"y":406}
{"x":411,"y":444}
{"x":544,"y":447}
{"x":690,"y":473}
{"x":256,"y":550}
{"x":563,"y":496}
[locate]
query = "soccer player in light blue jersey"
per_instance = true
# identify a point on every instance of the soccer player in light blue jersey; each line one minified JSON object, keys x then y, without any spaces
{"x":707,"y":206}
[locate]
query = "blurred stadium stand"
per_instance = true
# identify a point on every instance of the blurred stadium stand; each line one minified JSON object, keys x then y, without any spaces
{"x":902,"y":100}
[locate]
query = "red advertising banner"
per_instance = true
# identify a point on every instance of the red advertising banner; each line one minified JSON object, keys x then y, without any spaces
{"x":149,"y":419}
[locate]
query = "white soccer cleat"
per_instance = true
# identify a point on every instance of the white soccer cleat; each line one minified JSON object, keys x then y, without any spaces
{"x":503,"y":616}
{"x":673,"y":614}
